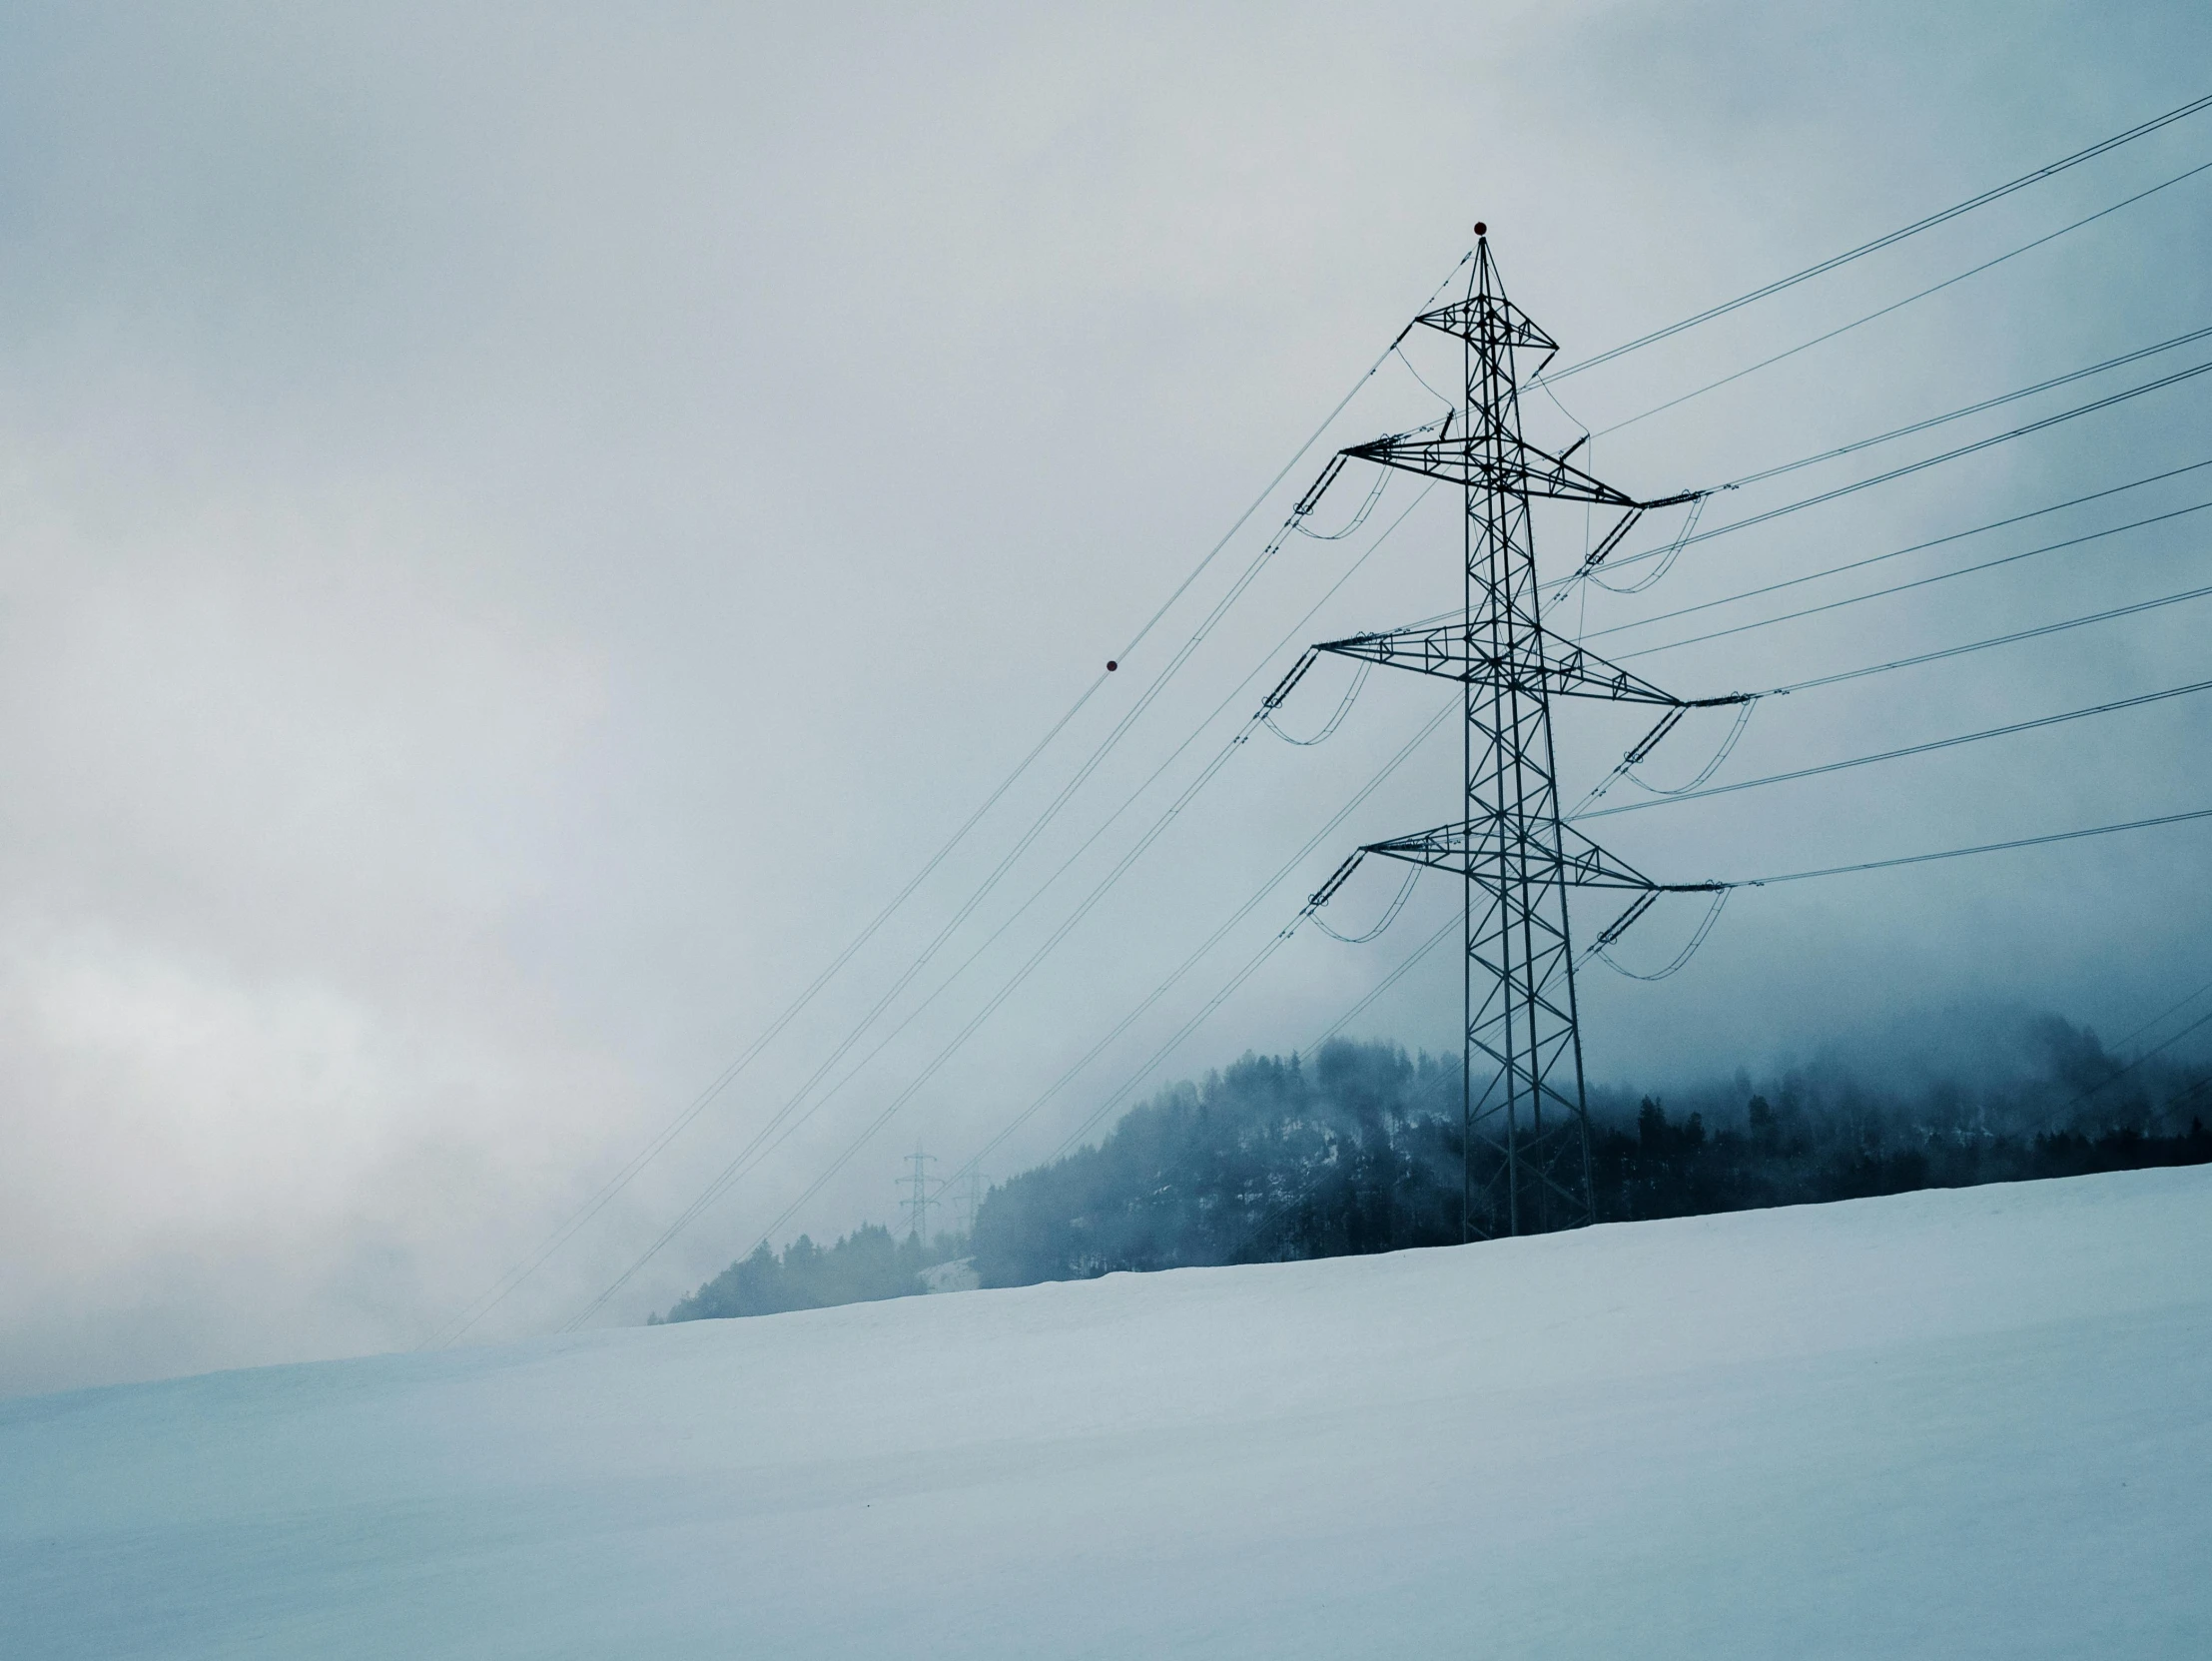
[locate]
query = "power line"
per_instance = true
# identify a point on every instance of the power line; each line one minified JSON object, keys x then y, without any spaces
{"x":2163,"y":1014}
{"x":2013,"y":638}
{"x":767,"y":1140}
{"x":1207,"y":946}
{"x":1442,"y":935}
{"x":986,"y":888}
{"x":1912,"y":467}
{"x":1898,"y":553}
{"x":1892,"y":239}
{"x":1909,"y":750}
{"x":1983,"y":848}
{"x":1390,"y":980}
{"x":660,"y":1142}
{"x":1421,"y":953}
{"x":1273,"y":483}
{"x":605,"y":1195}
{"x":1683,"y":540}
{"x":1919,"y":582}
{"x":1021,"y":975}
{"x":1986,"y":403}
{"x":1913,"y":661}
{"x":975,"y":899}
{"x":1207,"y":1010}
{"x":2156,"y":1050}
{"x":1204,"y":1013}
{"x":1898,"y":305}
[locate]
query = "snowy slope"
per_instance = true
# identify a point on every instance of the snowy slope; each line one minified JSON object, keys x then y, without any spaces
{"x":1970,"y":1424}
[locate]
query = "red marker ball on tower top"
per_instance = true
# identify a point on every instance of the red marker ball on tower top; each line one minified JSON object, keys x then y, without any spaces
{"x":1481,"y":230}
{"x":1112,"y":666}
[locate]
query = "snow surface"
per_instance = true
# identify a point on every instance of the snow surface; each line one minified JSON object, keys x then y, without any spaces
{"x":1964,"y":1423}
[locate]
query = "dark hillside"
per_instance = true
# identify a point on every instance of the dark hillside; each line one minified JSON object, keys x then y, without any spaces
{"x":1359,"y":1152}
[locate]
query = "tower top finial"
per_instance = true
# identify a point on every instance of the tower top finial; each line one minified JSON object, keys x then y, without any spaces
{"x":1481,"y":230}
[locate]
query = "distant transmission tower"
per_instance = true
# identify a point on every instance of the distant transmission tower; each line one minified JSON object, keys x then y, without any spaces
{"x":919,"y":1200}
{"x":972,"y":1184}
{"x":1524,"y":1121}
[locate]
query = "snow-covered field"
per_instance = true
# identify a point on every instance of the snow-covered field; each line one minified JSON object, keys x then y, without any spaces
{"x":1970,"y":1424}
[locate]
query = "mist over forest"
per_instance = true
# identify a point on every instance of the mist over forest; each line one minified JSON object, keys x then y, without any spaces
{"x":1357,"y":1150}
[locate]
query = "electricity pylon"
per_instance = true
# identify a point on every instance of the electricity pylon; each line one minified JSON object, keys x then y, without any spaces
{"x":1525,"y":1132}
{"x":972,"y":1186}
{"x":919,"y":1200}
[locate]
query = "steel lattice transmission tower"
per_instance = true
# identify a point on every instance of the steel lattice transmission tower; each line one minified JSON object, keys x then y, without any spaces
{"x":972,"y":1186}
{"x":1524,"y":1120}
{"x":919,"y":1200}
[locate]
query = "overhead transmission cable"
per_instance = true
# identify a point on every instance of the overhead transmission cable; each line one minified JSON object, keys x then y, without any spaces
{"x":1207,"y":946}
{"x":606,"y":1193}
{"x":738,"y":1166}
{"x":1891,"y":240}
{"x":1897,"y":306}
{"x":1986,"y":403}
{"x":787,"y":1119}
{"x":1894,"y":554}
{"x":1449,"y":927}
{"x":1438,"y":938}
{"x":1898,"y":553}
{"x":2013,"y":638}
{"x":1204,"y":1012}
{"x":1712,"y":916}
{"x":766,"y":1137}
{"x":1442,"y":935}
{"x":1601,"y":947}
{"x":2006,"y":731}
{"x":778,"y":1121}
{"x":1906,"y":469}
{"x":1919,"y":582}
{"x":1312,"y":438}
{"x":1689,"y":536}
{"x":1266,"y":888}
{"x":2156,"y":1050}
{"x":1626,"y":768}
{"x":2167,"y":1012}
{"x":1980,"y":848}
{"x":628,"y":1173}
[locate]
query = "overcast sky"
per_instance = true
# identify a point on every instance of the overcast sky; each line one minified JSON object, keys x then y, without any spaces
{"x":525,"y":526}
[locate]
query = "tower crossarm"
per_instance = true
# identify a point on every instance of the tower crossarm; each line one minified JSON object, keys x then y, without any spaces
{"x":1494,"y":850}
{"x":1559,"y":668}
{"x":1498,"y":461}
{"x":1490,"y":320}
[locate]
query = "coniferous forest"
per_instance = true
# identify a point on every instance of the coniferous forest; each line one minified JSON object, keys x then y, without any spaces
{"x":864,"y":1265}
{"x":1358,"y":1151}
